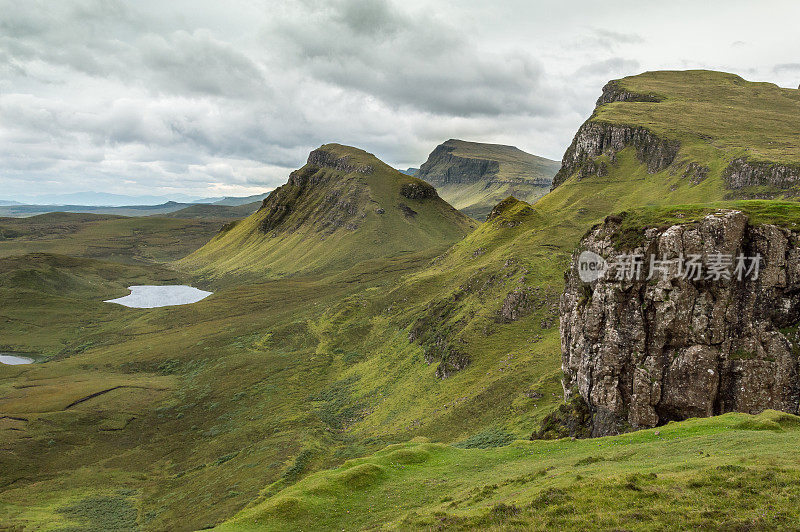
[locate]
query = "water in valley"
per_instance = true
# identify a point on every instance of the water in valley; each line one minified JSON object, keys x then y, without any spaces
{"x":13,"y":360}
{"x":149,"y":296}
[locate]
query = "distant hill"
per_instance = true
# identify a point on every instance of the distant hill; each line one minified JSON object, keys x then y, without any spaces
{"x":103,"y":199}
{"x":410,"y":171}
{"x":236,"y":201}
{"x":343,"y":207}
{"x":139,"y":239}
{"x":19,"y":210}
{"x":475,"y":176}
{"x":215,"y":211}
{"x":22,"y":211}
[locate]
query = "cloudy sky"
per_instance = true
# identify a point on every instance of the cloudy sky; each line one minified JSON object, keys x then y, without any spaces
{"x":210,"y":98}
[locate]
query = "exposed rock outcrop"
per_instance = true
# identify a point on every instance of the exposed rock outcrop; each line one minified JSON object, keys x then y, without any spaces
{"x":335,"y":208}
{"x":742,"y":173}
{"x":595,"y":139}
{"x":645,"y":352}
{"x":612,"y":92}
{"x":324,"y":158}
{"x":521,"y":302}
{"x":444,"y":168}
{"x":417,"y":190}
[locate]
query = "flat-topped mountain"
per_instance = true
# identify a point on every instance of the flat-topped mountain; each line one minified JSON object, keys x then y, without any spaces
{"x":712,"y":131}
{"x":343,"y":207}
{"x":475,"y":176}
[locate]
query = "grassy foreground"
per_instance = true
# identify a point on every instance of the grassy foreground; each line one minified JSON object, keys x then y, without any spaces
{"x":686,"y":475}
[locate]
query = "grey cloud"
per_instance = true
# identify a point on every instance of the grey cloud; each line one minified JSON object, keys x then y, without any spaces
{"x":408,"y":61}
{"x":608,"y":39}
{"x":786,"y":67}
{"x":609,"y":67}
{"x":196,"y":63}
{"x":108,"y":40}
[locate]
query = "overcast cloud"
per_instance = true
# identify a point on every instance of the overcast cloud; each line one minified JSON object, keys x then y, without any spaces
{"x":212,"y":98}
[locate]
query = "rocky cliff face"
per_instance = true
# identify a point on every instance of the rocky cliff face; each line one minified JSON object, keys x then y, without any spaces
{"x":325,"y":159}
{"x":595,"y":138}
{"x":599,"y":138}
{"x":444,"y":168}
{"x":612,"y":92}
{"x":645,"y":352}
{"x":743,"y":173}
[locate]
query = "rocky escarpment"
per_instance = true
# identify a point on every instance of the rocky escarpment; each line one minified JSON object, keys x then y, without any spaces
{"x":325,"y":159}
{"x":464,"y":163}
{"x":644,"y":352}
{"x":743,"y":173}
{"x":335,"y":208}
{"x":444,"y":168}
{"x":417,"y":190}
{"x":613,"y":92}
{"x":595,"y":139}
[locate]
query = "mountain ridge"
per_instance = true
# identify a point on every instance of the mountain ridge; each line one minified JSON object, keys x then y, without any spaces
{"x":343,"y":206}
{"x":475,"y":176}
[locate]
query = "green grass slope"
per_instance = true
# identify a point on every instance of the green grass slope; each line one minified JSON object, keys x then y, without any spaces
{"x":475,"y":176}
{"x":343,"y":207}
{"x":139,"y":240}
{"x":527,"y":247}
{"x":52,"y":305}
{"x":688,"y":475}
{"x":714,"y":110}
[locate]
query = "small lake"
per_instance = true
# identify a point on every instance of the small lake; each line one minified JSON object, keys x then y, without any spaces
{"x":149,"y":296}
{"x":14,"y":360}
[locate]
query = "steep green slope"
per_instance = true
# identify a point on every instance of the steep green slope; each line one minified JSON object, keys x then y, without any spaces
{"x":703,"y":126}
{"x":343,"y":207}
{"x":475,"y":176}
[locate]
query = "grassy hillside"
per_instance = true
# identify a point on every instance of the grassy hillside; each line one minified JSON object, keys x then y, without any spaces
{"x":713,"y":110}
{"x":52,"y":305}
{"x":119,"y":239}
{"x":254,"y":399}
{"x":459,"y":171}
{"x":681,"y":476}
{"x":342,"y":208}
